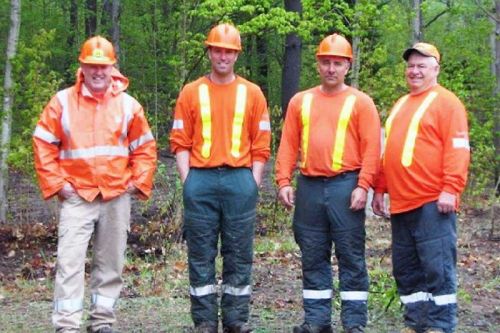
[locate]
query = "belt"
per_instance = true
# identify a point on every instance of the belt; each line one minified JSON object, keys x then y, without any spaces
{"x":337,"y":176}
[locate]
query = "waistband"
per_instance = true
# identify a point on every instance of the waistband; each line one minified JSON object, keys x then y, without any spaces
{"x":220,"y":168}
{"x":328,"y":178}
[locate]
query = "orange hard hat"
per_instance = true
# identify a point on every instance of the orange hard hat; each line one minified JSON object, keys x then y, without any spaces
{"x":98,"y":51}
{"x":224,"y":35}
{"x":335,"y":45}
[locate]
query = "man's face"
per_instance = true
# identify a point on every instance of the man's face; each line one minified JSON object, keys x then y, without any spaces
{"x":332,"y":71}
{"x":421,"y":72}
{"x":97,"y":78}
{"x":222,"y":60}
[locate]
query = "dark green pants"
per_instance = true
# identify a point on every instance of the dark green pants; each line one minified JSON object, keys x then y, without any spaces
{"x":220,"y":201}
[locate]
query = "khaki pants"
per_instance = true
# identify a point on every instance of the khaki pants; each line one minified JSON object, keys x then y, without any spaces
{"x":109,"y":221}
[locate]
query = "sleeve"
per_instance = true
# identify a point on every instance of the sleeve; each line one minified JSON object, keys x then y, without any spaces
{"x":260,"y":129}
{"x":142,"y":158}
{"x":369,"y":134}
{"x":181,"y":136}
{"x":46,"y":143}
{"x":286,"y":159}
{"x":380,"y":185}
{"x":456,"y":152}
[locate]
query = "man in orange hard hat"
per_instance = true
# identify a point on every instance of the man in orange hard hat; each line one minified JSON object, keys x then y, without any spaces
{"x":424,"y":171}
{"x":93,"y":149}
{"x":336,"y":129}
{"x":221,"y":137}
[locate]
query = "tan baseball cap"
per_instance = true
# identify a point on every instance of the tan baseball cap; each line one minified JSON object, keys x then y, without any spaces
{"x":424,"y":49}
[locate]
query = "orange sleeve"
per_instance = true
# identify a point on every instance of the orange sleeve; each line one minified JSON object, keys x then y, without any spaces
{"x":182,"y":128}
{"x":380,"y":185}
{"x":260,"y":130}
{"x":369,"y":133}
{"x":286,"y":159}
{"x":456,"y":152}
{"x":142,"y":158}
{"x":46,"y":142}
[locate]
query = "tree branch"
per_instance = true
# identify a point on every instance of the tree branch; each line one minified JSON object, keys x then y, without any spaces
{"x":491,"y":16}
{"x":435,"y":18}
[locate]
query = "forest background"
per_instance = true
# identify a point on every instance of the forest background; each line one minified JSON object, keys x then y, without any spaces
{"x":160,"y":48}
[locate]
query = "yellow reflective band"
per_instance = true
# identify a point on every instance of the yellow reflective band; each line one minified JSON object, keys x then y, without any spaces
{"x":394,"y":112}
{"x":206,"y":120}
{"x":239,"y":115}
{"x":345,"y":116}
{"x":411,"y":136}
{"x":306,"y":115}
{"x":392,"y":115}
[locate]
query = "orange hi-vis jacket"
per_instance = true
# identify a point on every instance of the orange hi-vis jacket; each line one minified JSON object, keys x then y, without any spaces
{"x":333,"y":133}
{"x":221,"y":124}
{"x":427,"y":149}
{"x":97,"y":145}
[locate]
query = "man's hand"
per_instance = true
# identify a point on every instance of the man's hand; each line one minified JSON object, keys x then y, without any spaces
{"x":378,"y":205}
{"x":358,"y":199}
{"x":446,"y":202}
{"x":287,"y":196}
{"x":67,"y":191}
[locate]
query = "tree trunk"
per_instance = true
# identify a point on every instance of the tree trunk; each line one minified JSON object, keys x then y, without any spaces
{"x":15,"y":22}
{"x":291,"y":65}
{"x":496,"y":51}
{"x":112,"y":11}
{"x":418,"y":34}
{"x":90,"y":17}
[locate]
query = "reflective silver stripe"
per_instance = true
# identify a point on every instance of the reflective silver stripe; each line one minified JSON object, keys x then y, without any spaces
{"x":354,"y":295}
{"x":236,"y":291}
{"x":46,"y":136}
{"x":103,"y":301}
{"x":461,"y":143}
{"x":178,"y":124}
{"x":445,"y":299}
{"x":62,"y":97}
{"x":128,"y":105}
{"x":317,"y":294}
{"x":202,"y":291}
{"x":69,"y":305}
{"x":93,"y":152}
{"x":265,"y":125}
{"x":142,"y":140}
{"x":415,"y":297}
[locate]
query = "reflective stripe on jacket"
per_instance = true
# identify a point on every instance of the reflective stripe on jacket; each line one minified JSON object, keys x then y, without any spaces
{"x":98,"y":146}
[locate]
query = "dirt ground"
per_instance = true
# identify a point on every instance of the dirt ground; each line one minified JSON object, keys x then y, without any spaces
{"x":155,"y":296}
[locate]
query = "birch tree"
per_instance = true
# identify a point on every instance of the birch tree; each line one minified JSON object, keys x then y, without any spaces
{"x":15,"y":22}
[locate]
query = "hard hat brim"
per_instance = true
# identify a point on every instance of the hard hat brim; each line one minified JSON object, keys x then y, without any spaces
{"x":94,"y":61}
{"x":223,"y":45}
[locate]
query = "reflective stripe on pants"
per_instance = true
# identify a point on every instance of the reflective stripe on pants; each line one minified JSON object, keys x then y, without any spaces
{"x":79,"y":219}
{"x":424,"y":263}
{"x":322,"y":216}
{"x":220,"y":201}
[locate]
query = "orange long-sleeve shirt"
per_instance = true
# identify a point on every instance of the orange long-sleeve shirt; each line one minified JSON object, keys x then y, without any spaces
{"x":187,"y":132}
{"x":361,"y":144}
{"x":440,"y":156}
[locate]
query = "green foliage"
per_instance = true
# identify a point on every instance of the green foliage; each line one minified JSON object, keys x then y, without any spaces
{"x":35,"y":83}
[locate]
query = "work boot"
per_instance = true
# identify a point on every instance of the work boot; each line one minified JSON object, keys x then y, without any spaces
{"x":206,"y":327}
{"x":355,"y":329}
{"x":408,"y":330}
{"x":308,"y":328}
{"x":237,"y":328}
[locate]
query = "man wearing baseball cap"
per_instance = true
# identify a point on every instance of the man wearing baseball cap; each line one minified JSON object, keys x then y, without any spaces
{"x":424,"y":171}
